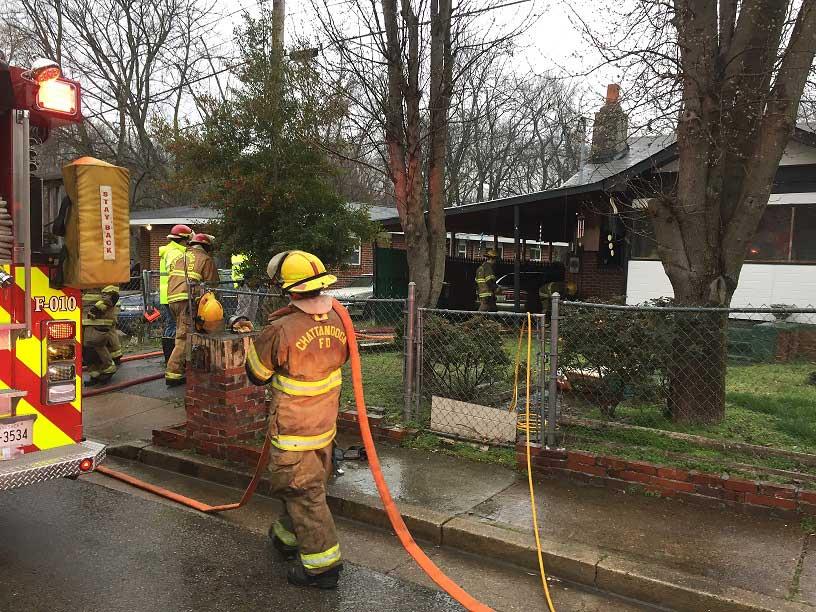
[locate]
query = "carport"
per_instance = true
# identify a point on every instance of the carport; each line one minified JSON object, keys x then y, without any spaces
{"x":545,"y":216}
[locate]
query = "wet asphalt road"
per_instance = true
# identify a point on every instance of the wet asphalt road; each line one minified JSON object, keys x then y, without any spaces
{"x":78,"y":547}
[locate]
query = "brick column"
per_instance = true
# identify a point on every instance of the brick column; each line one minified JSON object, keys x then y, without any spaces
{"x":223,"y":407}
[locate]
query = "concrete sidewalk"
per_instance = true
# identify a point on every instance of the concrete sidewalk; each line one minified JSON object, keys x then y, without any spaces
{"x":654,"y":550}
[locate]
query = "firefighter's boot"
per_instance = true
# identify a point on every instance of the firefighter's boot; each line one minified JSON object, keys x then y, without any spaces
{"x":327,"y":580}
{"x":283,"y":538}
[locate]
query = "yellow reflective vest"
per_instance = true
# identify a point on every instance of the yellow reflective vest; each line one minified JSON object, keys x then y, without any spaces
{"x":168,"y":254}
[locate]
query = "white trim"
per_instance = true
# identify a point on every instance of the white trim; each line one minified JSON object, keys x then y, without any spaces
{"x":359,"y":251}
{"x":171,"y":221}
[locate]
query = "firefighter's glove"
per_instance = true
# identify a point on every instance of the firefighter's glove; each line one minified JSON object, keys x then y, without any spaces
{"x":94,"y":312}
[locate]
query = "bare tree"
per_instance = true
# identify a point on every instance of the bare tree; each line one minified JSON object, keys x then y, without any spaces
{"x":135,"y":61}
{"x":729,"y":75}
{"x":406,"y":61}
{"x":511,"y":133}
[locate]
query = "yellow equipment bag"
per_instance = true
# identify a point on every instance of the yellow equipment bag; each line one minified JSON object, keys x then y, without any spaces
{"x":97,"y":236}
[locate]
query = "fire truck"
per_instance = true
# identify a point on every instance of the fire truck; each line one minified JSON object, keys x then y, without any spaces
{"x":41,"y":436}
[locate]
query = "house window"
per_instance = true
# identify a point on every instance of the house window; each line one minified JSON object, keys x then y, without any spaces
{"x":641,"y":237}
{"x":461,"y":248}
{"x":804,"y":233}
{"x":785,"y":234}
{"x":355,"y":257}
{"x":500,"y":252}
{"x":772,"y":239}
{"x":535,"y":253}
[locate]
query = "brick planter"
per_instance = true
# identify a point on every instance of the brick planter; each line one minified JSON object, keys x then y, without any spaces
{"x":687,"y":485}
{"x":224,"y":410}
{"x":347,"y":421}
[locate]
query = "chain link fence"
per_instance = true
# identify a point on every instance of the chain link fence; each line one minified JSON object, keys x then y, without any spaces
{"x":740,"y":376}
{"x":379,"y":325}
{"x":471,"y":374}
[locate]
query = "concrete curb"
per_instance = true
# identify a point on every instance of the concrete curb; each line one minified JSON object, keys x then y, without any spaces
{"x":566,"y":560}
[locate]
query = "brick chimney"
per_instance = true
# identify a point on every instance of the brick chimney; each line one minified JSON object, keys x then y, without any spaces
{"x":610,"y":129}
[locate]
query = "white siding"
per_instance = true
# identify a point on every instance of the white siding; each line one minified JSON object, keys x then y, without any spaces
{"x":760,"y":284}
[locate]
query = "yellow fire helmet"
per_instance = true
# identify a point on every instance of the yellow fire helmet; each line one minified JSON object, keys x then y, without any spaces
{"x":299,"y":272}
{"x":210,"y":314}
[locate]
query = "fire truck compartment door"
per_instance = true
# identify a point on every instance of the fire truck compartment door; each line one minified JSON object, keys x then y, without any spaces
{"x":98,"y":232}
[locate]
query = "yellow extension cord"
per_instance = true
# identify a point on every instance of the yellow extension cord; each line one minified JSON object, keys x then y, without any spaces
{"x":529,"y":324}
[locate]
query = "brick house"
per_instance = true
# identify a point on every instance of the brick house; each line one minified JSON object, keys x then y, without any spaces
{"x":149,"y":230}
{"x":598,"y":219}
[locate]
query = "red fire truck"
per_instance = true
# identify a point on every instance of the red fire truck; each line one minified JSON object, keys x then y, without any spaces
{"x":41,"y":435}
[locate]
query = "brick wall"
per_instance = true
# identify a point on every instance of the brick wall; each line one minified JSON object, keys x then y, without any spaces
{"x":149,"y":243}
{"x":597,"y":281}
{"x":710,"y":490}
{"x":345,"y":274}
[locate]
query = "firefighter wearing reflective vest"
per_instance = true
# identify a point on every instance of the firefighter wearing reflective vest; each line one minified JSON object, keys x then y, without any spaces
{"x":486,"y":283}
{"x":300,"y":352}
{"x":195,"y":266}
{"x":97,"y":322}
{"x":168,"y":254}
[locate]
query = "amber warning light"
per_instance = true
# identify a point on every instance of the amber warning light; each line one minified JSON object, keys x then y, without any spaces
{"x":58,"y":96}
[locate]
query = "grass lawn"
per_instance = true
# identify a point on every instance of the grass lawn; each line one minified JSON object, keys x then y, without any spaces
{"x":768,"y":405}
{"x":382,"y":381}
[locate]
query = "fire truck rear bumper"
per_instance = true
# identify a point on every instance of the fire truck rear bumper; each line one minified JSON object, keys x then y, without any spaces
{"x":60,"y":462}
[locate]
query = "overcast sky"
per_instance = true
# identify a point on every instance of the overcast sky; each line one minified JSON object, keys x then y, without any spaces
{"x":552,"y":44}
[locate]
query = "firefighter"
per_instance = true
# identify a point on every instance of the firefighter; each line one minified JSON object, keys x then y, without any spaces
{"x":300,"y":353}
{"x":184,"y":280}
{"x":97,"y":321}
{"x":114,"y":342}
{"x":178,"y":238}
{"x":486,"y":282}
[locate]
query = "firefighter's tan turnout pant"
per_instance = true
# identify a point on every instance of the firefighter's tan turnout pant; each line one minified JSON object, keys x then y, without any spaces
{"x":114,"y":343}
{"x":299,"y":479}
{"x":95,"y":340}
{"x":178,"y":359}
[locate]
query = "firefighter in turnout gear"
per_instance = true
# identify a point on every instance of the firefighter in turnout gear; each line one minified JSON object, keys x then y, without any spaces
{"x":300,"y":353}
{"x":184,"y":280}
{"x":179,"y":236}
{"x":114,"y":343}
{"x":97,"y":323}
{"x":486,"y":283}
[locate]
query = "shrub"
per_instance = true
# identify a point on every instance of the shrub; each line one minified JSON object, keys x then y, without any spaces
{"x":463,"y":360}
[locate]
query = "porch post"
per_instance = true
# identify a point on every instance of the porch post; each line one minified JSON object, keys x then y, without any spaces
{"x":516,"y":263}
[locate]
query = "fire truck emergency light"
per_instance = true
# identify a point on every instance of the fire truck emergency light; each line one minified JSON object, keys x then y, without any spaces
{"x":61,"y":330}
{"x":57,"y":96}
{"x":43,"y":70}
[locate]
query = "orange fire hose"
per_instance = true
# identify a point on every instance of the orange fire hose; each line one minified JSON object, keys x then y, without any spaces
{"x":141,"y":356}
{"x":400,"y":528}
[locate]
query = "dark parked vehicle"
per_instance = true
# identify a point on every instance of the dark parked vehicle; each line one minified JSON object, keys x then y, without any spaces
{"x":131,"y":313}
{"x":529,"y":284}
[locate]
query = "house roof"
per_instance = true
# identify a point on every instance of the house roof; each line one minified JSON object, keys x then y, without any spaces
{"x":375,"y":213}
{"x":639,"y":148}
{"x":202,"y":214}
{"x":173,"y":215}
{"x":545,"y":214}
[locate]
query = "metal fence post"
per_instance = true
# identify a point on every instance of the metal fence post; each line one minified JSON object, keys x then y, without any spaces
{"x":542,"y":373}
{"x":552,"y":404}
{"x":410,"y":347}
{"x":418,"y":365}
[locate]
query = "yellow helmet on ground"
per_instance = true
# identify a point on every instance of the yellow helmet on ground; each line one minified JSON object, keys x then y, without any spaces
{"x":210,"y":314}
{"x":299,"y":272}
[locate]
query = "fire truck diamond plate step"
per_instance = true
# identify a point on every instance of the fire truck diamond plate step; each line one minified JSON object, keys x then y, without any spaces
{"x":60,"y":462}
